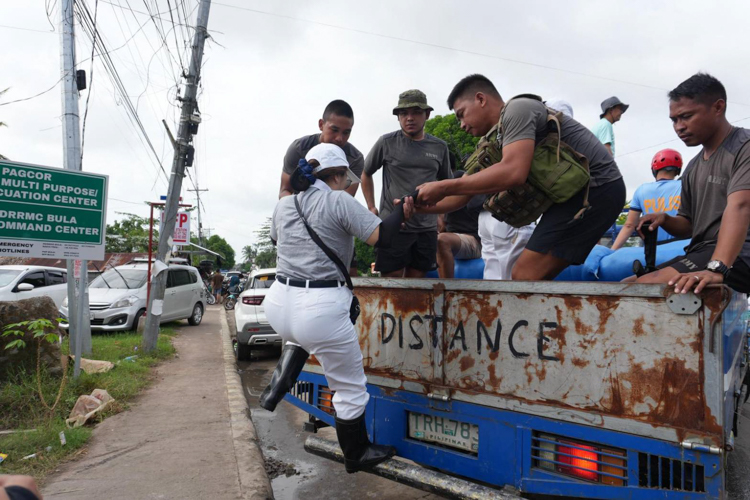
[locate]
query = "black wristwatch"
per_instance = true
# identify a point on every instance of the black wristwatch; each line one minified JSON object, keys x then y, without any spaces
{"x":717,"y":266}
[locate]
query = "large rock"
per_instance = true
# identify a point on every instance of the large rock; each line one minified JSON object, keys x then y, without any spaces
{"x":25,"y":358}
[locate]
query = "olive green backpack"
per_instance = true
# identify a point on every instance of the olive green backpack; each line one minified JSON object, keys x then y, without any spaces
{"x":558,"y":173}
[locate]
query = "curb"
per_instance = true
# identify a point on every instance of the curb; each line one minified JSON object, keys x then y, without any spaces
{"x":254,"y":482}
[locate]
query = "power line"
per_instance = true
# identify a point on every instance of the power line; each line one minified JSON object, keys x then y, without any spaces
{"x":130,"y":202}
{"x":446,"y":47}
{"x":26,"y":29}
{"x":91,"y":82}
{"x":89,"y":27}
{"x":667,"y":142}
{"x":34,"y":96}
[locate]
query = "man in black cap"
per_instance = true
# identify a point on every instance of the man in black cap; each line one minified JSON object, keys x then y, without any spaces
{"x":612,"y":111}
{"x":409,"y":157}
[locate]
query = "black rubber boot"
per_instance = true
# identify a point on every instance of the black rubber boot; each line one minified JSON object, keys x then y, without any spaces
{"x":359,"y":452}
{"x":287,"y":370}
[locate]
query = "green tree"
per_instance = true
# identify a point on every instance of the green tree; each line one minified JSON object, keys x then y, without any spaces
{"x":219,"y":245}
{"x":249,"y":253}
{"x":130,"y":234}
{"x":265,"y":250}
{"x":448,"y":129}
{"x":365,"y":256}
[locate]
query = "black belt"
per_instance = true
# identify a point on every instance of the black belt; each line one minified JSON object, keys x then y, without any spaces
{"x":310,"y":284}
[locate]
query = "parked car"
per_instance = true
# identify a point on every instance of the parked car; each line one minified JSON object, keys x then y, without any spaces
{"x":25,"y":282}
{"x":252,"y":328}
{"x":117,"y":297}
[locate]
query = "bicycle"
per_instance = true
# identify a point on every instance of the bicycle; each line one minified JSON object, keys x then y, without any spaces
{"x":210,"y":297}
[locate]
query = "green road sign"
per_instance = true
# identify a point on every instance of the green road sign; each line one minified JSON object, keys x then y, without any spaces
{"x":51,"y":212}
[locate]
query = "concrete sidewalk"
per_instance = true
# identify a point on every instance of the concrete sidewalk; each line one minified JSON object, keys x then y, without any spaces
{"x":187,"y":436}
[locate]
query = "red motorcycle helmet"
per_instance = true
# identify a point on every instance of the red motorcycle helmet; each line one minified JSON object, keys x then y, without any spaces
{"x":666,"y":158}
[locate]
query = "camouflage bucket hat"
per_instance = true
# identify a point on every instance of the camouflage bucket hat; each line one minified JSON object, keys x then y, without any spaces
{"x":412,"y":99}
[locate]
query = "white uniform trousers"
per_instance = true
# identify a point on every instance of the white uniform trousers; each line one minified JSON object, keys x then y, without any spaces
{"x":317,"y":319}
{"x":502,"y":244}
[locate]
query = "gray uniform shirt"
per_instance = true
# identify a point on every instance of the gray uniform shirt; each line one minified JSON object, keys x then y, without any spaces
{"x":407,"y":164}
{"x":335,"y":216}
{"x":299,"y":148}
{"x":706,"y":185}
{"x":526,"y":118}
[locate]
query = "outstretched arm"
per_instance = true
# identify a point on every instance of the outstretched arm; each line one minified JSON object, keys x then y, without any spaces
{"x":512,"y":171}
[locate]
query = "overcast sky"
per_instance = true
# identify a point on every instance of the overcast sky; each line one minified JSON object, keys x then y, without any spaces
{"x":273,"y":66}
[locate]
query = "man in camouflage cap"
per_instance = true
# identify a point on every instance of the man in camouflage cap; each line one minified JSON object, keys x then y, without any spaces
{"x":409,"y":157}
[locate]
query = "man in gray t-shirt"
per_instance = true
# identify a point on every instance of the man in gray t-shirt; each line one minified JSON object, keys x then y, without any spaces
{"x":409,"y":157}
{"x":562,"y":237}
{"x":715,"y":193}
{"x":335,"y":128}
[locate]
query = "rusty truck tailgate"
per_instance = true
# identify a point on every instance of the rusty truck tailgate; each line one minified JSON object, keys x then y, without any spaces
{"x":632,"y":358}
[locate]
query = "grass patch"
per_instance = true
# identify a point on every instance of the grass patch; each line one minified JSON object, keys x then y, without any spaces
{"x":21,"y":407}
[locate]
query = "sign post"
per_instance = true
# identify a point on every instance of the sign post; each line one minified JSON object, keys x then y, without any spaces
{"x":51,"y":213}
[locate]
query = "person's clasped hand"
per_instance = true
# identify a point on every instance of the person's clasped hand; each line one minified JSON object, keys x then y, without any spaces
{"x":431,"y":193}
{"x":656,"y":220}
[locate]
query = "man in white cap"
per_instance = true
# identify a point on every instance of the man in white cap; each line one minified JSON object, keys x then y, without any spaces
{"x":612,"y":110}
{"x":310,"y":303}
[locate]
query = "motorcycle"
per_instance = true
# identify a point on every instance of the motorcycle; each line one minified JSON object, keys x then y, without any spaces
{"x":231,"y":299}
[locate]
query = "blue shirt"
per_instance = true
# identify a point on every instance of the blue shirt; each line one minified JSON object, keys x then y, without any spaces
{"x":657,"y":197}
{"x":605,"y":132}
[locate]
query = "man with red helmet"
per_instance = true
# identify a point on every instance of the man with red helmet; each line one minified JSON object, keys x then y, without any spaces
{"x":661,"y":196}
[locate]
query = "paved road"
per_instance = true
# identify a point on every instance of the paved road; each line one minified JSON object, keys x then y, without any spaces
{"x":738,"y":470}
{"x":282,"y":440}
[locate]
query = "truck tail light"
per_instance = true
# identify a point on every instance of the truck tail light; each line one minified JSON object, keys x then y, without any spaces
{"x":580,"y":460}
{"x":253,"y":300}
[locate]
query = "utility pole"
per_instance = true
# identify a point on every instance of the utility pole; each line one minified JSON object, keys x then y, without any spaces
{"x":77,"y":302}
{"x":198,"y":192}
{"x":183,"y":155}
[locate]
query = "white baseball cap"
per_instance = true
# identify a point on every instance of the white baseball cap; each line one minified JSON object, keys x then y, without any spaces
{"x":330,"y":156}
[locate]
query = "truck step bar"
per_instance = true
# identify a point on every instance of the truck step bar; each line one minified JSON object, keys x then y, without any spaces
{"x":413,"y":475}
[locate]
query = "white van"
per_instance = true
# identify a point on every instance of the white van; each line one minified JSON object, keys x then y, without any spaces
{"x":117,"y":297}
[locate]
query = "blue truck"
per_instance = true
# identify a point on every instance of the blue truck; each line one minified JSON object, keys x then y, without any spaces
{"x":560,"y":389}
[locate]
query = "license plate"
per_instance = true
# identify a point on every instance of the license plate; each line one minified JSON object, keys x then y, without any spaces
{"x":444,"y":431}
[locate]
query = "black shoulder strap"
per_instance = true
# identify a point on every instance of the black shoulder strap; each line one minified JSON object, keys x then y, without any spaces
{"x":324,"y":247}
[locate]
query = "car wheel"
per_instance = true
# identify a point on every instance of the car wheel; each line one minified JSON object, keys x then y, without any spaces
{"x":139,"y":316}
{"x":197,"y":316}
{"x":241,"y":351}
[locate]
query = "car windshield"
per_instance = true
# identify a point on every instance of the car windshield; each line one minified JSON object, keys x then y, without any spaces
{"x":263,"y":281}
{"x":7,"y":276}
{"x":135,"y":278}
